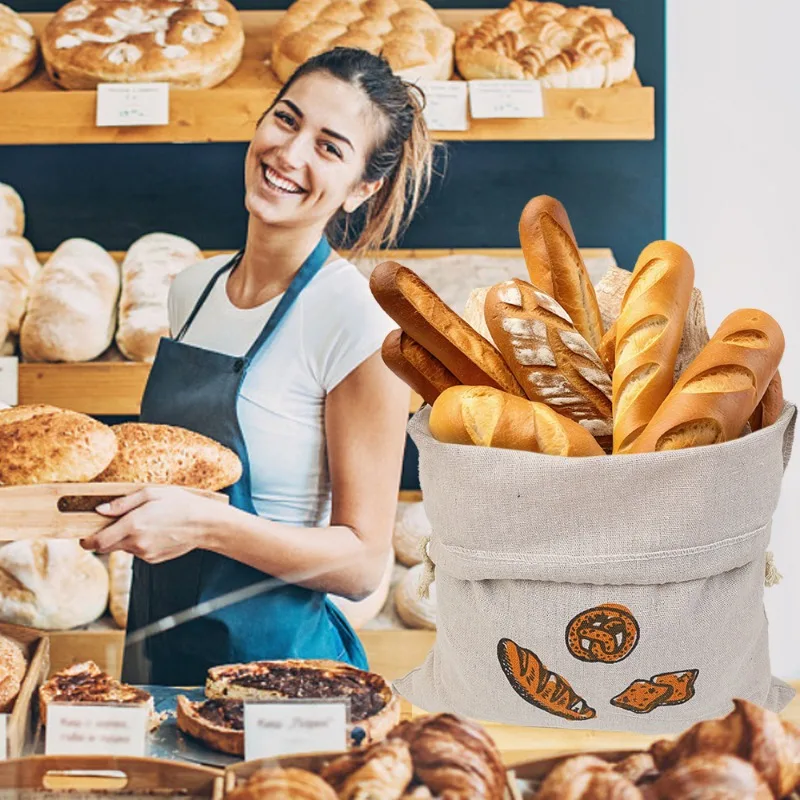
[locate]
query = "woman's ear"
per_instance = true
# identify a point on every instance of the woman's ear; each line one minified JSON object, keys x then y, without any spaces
{"x":360,"y":194}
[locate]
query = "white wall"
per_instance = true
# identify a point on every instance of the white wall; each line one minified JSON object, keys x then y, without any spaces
{"x":733,"y":200}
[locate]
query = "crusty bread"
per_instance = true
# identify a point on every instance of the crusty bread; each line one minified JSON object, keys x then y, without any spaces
{"x":13,"y":666}
{"x":556,"y":267}
{"x":474,"y":312}
{"x":411,"y":528}
{"x":170,"y":455}
{"x":277,"y":783}
{"x":72,"y":308}
{"x":610,"y":290}
{"x":193,"y":45}
{"x":554,"y":364}
{"x":424,"y":316}
{"x":44,"y":444}
{"x":51,"y":584}
{"x":648,"y":336}
{"x":721,"y":388}
{"x":149,"y":267}
{"x":415,"y":611}
{"x":120,"y":574}
{"x":407,"y":33}
{"x":771,"y":405}
{"x":12,"y":212}
{"x":19,"y":51}
{"x":487,"y":417}
{"x":18,"y":268}
{"x":412,"y":363}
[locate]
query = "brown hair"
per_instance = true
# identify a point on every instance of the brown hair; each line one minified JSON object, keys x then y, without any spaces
{"x":403,"y":157}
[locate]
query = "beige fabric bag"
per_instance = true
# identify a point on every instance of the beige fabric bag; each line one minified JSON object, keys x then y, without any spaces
{"x":613,"y":593}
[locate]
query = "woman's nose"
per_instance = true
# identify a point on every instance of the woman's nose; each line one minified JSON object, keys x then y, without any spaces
{"x":292,"y":151}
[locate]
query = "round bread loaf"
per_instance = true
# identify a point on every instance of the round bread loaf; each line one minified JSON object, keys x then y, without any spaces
{"x":13,"y":666}
{"x":12,"y":211}
{"x":18,"y":268}
{"x":191,"y":44}
{"x":18,"y":49}
{"x":44,"y":444}
{"x":51,"y":584}
{"x":415,"y":611}
{"x":120,"y":575}
{"x":411,"y":527}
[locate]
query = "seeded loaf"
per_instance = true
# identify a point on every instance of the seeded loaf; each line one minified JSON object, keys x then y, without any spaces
{"x":13,"y":665}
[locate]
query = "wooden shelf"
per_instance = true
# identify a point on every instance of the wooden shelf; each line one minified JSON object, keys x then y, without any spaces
{"x":38,"y":112}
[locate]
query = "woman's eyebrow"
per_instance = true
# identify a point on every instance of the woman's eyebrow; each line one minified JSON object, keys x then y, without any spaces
{"x":327,"y":131}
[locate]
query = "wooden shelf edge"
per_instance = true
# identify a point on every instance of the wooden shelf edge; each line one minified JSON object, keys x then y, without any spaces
{"x":38,"y":112}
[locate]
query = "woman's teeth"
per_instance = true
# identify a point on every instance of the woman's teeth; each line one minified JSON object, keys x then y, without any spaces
{"x":283,"y":184}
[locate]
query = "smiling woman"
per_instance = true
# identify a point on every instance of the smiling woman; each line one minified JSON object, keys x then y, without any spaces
{"x":275,"y":354}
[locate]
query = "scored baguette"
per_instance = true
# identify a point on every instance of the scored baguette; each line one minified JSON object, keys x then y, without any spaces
{"x":412,"y":363}
{"x":771,"y":405}
{"x":556,"y":267}
{"x":648,"y":336}
{"x":429,"y":321}
{"x":480,"y":415}
{"x":554,"y":364}
{"x":721,"y":388}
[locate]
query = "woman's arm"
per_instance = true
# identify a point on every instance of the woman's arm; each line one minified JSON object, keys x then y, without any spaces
{"x":365,"y":420}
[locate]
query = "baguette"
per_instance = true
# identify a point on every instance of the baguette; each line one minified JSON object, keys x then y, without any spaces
{"x":721,"y":388}
{"x":649,"y":330}
{"x":412,"y":363}
{"x":430,"y":322}
{"x":474,"y":312}
{"x":770,"y":407}
{"x":554,"y":364}
{"x":480,"y":415}
{"x":556,"y":267}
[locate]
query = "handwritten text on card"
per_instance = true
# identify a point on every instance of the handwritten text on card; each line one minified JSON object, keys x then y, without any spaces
{"x":88,"y":729}
{"x":491,"y":99}
{"x":132,"y":104}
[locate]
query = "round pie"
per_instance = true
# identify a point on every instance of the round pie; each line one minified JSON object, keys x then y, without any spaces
{"x":18,"y":50}
{"x":191,"y":44}
{"x":564,"y":48}
{"x":407,"y":33}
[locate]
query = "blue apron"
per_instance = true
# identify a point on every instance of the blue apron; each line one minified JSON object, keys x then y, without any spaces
{"x":198,"y":389}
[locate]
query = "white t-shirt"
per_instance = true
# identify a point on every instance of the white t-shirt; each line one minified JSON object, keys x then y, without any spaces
{"x":332,"y":327}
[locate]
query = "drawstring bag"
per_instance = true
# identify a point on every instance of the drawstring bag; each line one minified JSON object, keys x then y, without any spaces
{"x":609,"y":593}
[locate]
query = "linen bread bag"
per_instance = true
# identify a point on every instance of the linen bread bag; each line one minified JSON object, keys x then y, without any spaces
{"x":619,"y":592}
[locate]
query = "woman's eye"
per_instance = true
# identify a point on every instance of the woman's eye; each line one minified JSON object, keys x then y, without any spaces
{"x":288,"y":119}
{"x":331,"y":149}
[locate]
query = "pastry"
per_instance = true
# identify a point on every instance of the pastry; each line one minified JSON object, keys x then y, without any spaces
{"x":148,"y":269}
{"x":587,"y":778}
{"x":277,"y":783}
{"x":606,"y":633}
{"x":51,"y":584}
{"x":382,"y":771}
{"x":407,"y":33}
{"x":716,"y":777}
{"x":13,"y":666}
{"x":12,"y":212}
{"x":166,"y":454}
{"x":540,"y":687}
{"x":18,"y":268}
{"x":218,"y":723}
{"x":190,"y":44}
{"x":563,"y":47}
{"x":19,"y":51}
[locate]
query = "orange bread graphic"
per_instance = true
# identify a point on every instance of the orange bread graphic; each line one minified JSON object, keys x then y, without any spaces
{"x":536,"y":684}
{"x":666,"y":689}
{"x":606,"y":633}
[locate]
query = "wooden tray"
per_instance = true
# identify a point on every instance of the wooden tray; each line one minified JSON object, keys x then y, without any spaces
{"x":20,"y":722}
{"x":108,"y":776}
{"x":63,"y":510}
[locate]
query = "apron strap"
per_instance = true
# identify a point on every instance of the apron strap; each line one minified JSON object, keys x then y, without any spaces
{"x":232,"y":264}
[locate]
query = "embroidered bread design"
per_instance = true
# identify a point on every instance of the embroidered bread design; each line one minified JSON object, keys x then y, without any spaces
{"x":564,"y":48}
{"x":540,"y":687}
{"x":606,"y":633}
{"x":192,"y":44}
{"x":666,"y":689}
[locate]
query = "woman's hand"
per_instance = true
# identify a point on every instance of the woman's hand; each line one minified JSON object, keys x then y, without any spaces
{"x":155,"y":524}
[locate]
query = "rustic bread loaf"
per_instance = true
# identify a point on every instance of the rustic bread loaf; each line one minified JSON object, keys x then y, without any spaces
{"x":13,"y":666}
{"x":771,"y":405}
{"x":12,"y":212}
{"x":19,"y":51}
{"x":170,"y":455}
{"x":120,"y":575}
{"x":149,"y":267}
{"x":18,"y":268}
{"x":72,"y":309}
{"x":414,"y":610}
{"x":44,"y":444}
{"x":411,"y":527}
{"x":52,"y":584}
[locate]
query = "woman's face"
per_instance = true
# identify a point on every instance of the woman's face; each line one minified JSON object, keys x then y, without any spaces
{"x":309,"y":153}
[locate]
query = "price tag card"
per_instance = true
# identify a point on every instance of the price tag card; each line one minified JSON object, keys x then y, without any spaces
{"x":9,"y":384}
{"x":286,"y":727}
{"x":445,"y":105}
{"x":86,"y":729}
{"x":505,"y":99}
{"x":132,"y":104}
{"x":3,"y":737}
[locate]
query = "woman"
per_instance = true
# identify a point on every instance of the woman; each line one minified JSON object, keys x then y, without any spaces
{"x":276,"y":354}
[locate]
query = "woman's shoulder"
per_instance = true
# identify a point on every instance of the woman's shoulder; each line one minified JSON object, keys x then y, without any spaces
{"x":190,"y":282}
{"x":341,"y":279}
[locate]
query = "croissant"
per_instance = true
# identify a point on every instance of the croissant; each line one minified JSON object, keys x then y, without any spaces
{"x":382,"y":772}
{"x":587,"y":778}
{"x":637,"y":767}
{"x":750,"y":732}
{"x":716,"y":777}
{"x":454,"y":758}
{"x":283,"y":784}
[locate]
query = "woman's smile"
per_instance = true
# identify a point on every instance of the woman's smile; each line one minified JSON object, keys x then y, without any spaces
{"x":279,"y":183}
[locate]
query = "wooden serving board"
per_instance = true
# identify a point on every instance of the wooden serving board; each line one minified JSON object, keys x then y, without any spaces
{"x":64,"y":510}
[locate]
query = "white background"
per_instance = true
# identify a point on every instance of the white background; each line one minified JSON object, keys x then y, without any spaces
{"x":733,"y":200}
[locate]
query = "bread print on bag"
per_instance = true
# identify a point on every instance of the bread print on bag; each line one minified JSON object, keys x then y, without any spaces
{"x":540,"y":687}
{"x":666,"y":689}
{"x":607,"y":633}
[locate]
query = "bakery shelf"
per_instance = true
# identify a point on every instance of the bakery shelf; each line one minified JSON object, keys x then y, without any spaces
{"x":38,"y":112}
